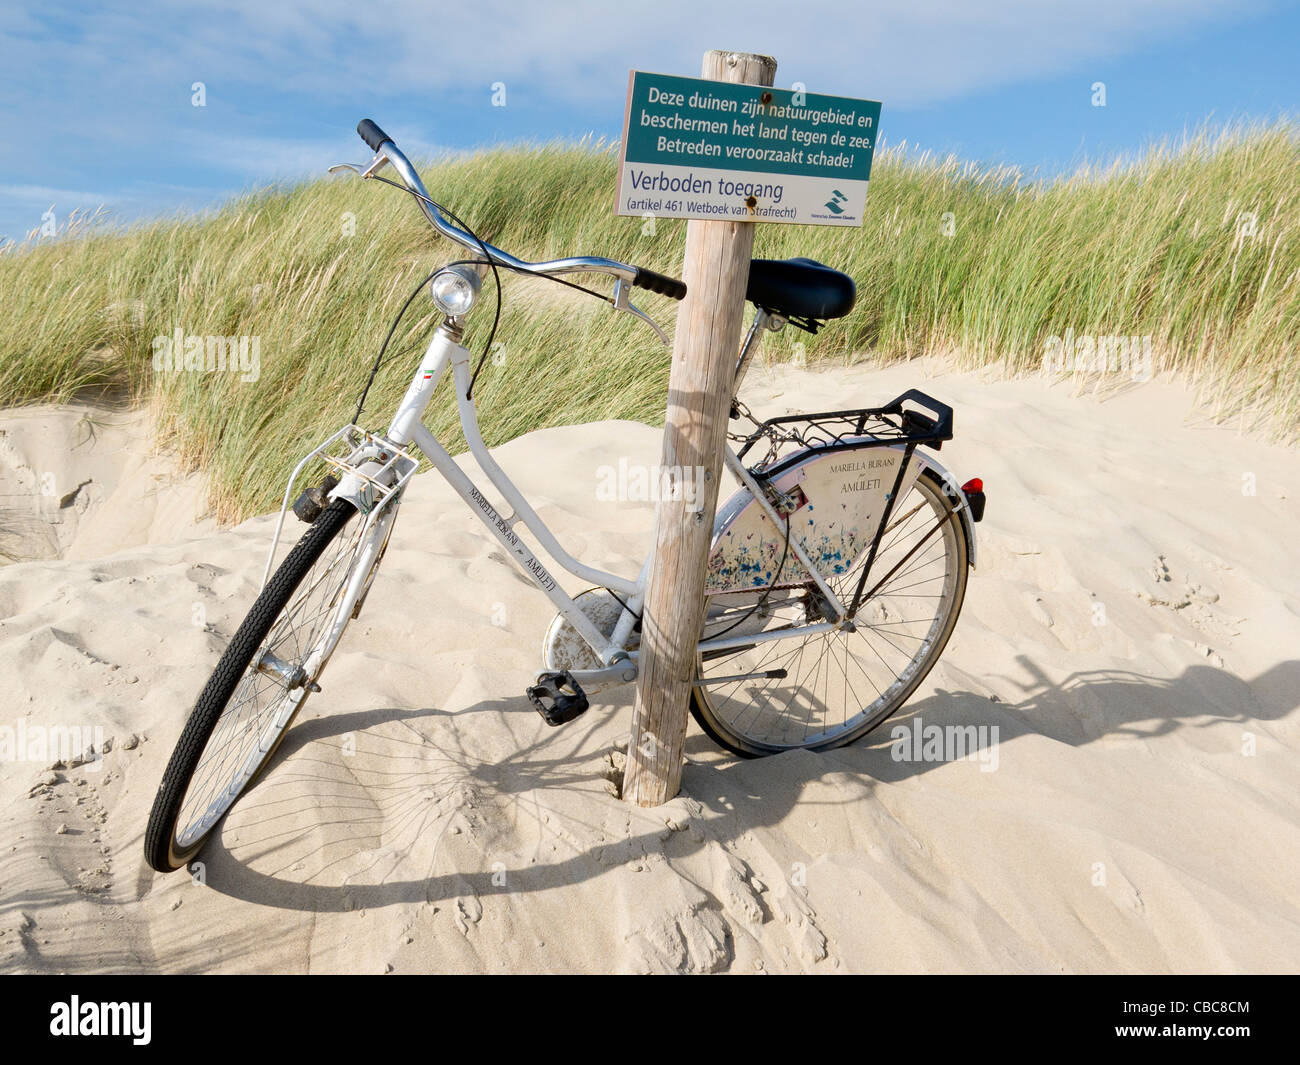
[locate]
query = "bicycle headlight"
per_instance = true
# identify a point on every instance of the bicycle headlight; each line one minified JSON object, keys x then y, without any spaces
{"x":454,"y":289}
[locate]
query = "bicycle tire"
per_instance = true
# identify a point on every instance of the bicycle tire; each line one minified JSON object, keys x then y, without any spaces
{"x":162,"y":851}
{"x":746,"y":746}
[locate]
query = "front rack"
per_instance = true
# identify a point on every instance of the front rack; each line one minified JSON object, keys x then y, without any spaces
{"x":891,"y":425}
{"x":343,"y":453}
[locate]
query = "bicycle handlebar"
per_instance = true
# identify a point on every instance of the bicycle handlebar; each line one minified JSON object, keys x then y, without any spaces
{"x":372,"y":134}
{"x":382,"y":144}
{"x":665,"y":286}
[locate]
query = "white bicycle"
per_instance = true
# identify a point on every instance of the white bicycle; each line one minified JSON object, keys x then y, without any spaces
{"x":836,"y":574}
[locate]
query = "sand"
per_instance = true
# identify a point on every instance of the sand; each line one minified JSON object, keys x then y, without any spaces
{"x":1132,"y":631}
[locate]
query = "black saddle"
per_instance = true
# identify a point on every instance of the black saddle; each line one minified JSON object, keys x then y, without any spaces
{"x":800,"y":288}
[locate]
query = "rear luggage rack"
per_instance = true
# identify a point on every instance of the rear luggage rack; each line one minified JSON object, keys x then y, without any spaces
{"x":888,"y":426}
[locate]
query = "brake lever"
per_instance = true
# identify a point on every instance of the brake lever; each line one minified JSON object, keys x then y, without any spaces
{"x":622,"y":303}
{"x":376,"y":164}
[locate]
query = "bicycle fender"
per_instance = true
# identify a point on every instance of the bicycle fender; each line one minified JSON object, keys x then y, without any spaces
{"x":954,"y":489}
{"x":358,"y":488}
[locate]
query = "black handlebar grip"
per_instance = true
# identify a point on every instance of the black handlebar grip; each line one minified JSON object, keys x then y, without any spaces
{"x":665,"y":286}
{"x":371,"y":134}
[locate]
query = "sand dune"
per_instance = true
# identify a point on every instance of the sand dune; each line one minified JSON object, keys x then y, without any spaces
{"x":1132,"y":631}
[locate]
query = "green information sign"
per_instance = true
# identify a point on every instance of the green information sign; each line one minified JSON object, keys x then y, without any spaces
{"x":694,"y":148}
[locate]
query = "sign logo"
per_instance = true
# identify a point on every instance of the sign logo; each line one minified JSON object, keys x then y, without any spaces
{"x":837,"y":198}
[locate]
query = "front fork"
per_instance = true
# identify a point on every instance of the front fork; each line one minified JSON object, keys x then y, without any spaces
{"x":374,"y":541}
{"x":364,"y":565}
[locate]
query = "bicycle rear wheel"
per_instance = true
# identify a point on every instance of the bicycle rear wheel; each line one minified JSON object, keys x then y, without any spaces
{"x":839,"y":685}
{"x":256,"y":691}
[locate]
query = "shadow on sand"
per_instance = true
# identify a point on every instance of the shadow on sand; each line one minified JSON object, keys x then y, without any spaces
{"x":1086,"y":707}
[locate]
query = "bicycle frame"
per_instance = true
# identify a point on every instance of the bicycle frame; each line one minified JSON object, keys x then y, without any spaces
{"x":838,"y":476}
{"x":381,"y":469}
{"x":407,"y":427}
{"x":619,"y":662}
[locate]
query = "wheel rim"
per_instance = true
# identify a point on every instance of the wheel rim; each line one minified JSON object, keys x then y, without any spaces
{"x":841,"y":684}
{"x":263,"y":703}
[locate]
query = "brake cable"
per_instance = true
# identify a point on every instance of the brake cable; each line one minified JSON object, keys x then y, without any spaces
{"x":496,"y":277}
{"x":356,"y":418}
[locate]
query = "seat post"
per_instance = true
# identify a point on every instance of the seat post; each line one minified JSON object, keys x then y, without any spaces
{"x":762,"y":320}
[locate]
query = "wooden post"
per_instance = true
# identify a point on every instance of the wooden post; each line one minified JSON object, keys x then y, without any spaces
{"x":716,"y":271}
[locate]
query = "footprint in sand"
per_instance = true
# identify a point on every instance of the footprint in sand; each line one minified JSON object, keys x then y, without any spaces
{"x":1039,"y":613}
{"x":72,"y":808}
{"x":809,"y":940}
{"x":1160,"y":570}
{"x":734,"y":886}
{"x":1191,"y":600}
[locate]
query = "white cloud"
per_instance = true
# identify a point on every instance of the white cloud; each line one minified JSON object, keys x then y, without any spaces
{"x":273,"y":157}
{"x":102,"y":96}
{"x":23,"y":205}
{"x":49,"y":195}
{"x":907,"y":52}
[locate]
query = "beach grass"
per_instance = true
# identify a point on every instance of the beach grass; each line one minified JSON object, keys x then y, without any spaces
{"x":1195,"y":246}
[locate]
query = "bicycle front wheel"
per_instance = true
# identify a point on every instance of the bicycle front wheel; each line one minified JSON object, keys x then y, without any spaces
{"x":841,"y":684}
{"x":256,"y":691}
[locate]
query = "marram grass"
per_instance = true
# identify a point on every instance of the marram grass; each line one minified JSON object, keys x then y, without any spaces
{"x":1196,"y":246}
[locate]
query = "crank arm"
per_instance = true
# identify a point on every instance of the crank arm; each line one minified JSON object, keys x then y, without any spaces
{"x":594,"y":680}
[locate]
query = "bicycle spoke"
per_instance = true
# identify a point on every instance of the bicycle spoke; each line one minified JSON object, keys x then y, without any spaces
{"x":821,"y":698}
{"x":262,"y":703}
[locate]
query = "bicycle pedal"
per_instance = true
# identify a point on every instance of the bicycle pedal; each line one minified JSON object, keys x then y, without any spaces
{"x":558,"y":697}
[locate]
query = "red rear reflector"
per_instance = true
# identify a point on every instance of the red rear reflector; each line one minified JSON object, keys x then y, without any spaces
{"x":975,"y":484}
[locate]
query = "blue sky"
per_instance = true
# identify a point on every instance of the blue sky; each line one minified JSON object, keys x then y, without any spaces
{"x":96,"y":101}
